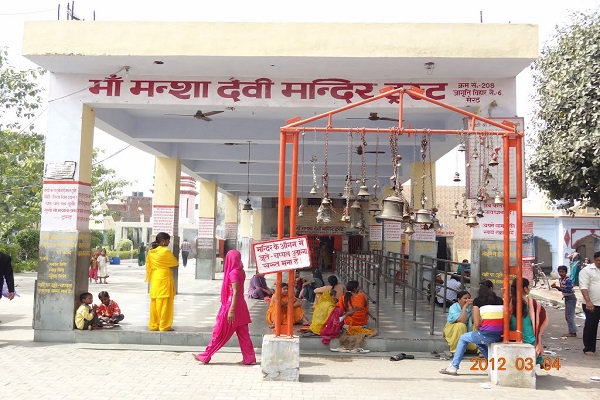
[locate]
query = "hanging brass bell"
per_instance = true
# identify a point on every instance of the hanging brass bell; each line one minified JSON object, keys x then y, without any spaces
{"x":326,"y":215}
{"x":456,"y":177}
{"x":363,"y":191}
{"x":498,"y":199}
{"x":355,"y":205}
{"x":464,"y":213}
{"x":392,"y":208}
{"x":493,"y":162}
{"x":408,"y":214}
{"x":472,"y":221}
{"x":345,"y":218}
{"x":480,"y":213}
{"x":409,"y":229}
{"x":475,"y":155}
{"x":247,"y":206}
{"x":461,"y":147}
{"x":374,"y":208}
{"x":435,"y":225}
{"x":300,"y":211}
{"x":455,"y":213}
{"x":313,"y":190}
{"x":348,"y":192}
{"x":325,"y":201}
{"x":423,"y":216}
{"x":360,"y":224}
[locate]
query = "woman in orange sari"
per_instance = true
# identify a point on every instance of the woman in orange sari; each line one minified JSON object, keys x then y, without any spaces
{"x":356,"y":301}
{"x":276,"y":302}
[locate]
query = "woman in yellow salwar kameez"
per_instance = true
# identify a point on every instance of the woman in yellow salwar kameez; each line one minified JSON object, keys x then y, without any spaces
{"x":159,"y":263}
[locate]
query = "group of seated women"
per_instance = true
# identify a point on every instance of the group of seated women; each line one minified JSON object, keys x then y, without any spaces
{"x":474,"y":324}
{"x":336,"y":306}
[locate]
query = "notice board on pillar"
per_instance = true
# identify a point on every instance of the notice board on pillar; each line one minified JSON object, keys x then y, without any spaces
{"x":281,"y":255}
{"x":491,"y":259}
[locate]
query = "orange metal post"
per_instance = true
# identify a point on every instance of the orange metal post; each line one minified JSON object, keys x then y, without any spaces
{"x":280,"y":224}
{"x":292,"y":201}
{"x":518,"y":140}
{"x":506,"y":260}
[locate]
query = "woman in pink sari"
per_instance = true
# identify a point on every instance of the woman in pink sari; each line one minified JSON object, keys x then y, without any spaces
{"x":233,"y":316}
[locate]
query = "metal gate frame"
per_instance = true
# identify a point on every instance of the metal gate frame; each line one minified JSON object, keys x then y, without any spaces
{"x":511,"y":139}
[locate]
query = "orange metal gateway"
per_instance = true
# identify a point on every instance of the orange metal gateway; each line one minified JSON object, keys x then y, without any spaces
{"x":512,"y":144}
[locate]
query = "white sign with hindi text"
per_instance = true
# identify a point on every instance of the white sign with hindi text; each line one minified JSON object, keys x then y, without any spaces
{"x":281,"y":255}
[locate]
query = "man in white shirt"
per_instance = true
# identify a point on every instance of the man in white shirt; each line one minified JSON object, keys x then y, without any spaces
{"x":452,"y":287}
{"x":589,"y":283}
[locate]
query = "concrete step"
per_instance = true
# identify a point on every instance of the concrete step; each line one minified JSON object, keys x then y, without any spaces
{"x":199,"y":340}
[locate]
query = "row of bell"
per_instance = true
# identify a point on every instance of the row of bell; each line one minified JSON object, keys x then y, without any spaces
{"x":395,"y":210}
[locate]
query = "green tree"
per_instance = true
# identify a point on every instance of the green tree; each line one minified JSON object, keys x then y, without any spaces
{"x":566,"y":140}
{"x":97,"y":238}
{"x":110,"y":238}
{"x":105,"y":186}
{"x":22,"y":155}
{"x":21,"y":149}
{"x":29,"y":242}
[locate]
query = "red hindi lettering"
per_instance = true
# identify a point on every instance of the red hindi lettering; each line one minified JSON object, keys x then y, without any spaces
{"x":112,"y":85}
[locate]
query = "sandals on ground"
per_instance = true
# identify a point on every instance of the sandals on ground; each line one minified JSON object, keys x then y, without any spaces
{"x":402,"y":356}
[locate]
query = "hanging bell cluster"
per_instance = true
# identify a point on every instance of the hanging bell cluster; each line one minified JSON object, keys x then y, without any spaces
{"x":345,"y":215}
{"x":324,"y":211}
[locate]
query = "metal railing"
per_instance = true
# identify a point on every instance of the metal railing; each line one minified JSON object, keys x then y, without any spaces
{"x":364,"y":269}
{"x":381,"y":276}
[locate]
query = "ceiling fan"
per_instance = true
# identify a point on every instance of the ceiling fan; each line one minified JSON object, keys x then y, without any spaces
{"x":359,"y":151}
{"x":199,"y":115}
{"x":374,"y":117}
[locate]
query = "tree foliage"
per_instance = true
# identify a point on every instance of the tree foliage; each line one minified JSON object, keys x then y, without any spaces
{"x":21,"y":149}
{"x":97,"y":238}
{"x":22,"y":155}
{"x":566,"y":142}
{"x":29,"y":242}
{"x":105,"y":185}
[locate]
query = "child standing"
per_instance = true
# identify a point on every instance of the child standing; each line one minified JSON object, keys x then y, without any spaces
{"x":85,"y":316}
{"x":565,"y":285}
{"x":108,"y":311}
{"x":103,"y":266}
{"x":93,"y":274}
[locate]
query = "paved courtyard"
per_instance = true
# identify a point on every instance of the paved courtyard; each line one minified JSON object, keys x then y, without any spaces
{"x":34,"y":370}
